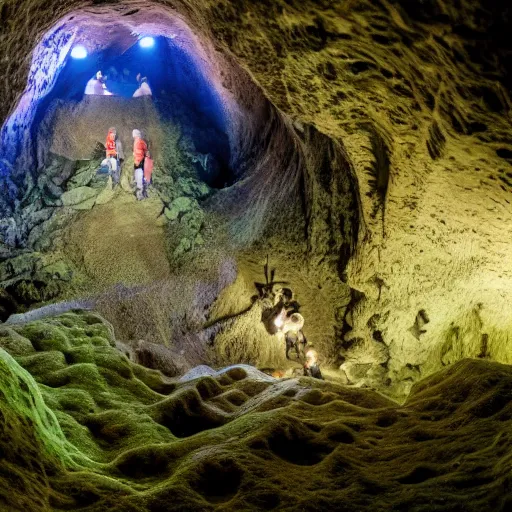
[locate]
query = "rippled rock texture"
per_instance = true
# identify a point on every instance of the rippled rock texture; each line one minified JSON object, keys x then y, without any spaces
{"x":113,"y":435}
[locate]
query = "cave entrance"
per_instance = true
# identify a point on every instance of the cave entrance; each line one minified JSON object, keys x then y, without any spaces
{"x":182,"y":102}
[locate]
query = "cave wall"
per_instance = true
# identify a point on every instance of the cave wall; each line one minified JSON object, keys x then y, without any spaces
{"x":418,"y":100}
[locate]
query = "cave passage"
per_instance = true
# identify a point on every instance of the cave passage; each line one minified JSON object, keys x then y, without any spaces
{"x":185,"y":94}
{"x":182,"y":96}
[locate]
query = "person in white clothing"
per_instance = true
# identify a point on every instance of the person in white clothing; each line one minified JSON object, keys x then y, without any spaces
{"x":144,"y":89}
{"x":96,"y":86}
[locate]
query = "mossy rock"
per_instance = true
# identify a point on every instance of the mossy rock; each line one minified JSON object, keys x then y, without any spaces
{"x":45,"y":336}
{"x":179,"y":206}
{"x":15,"y":343}
{"x":58,"y":270}
{"x":82,"y":177}
{"x":104,"y":433}
{"x":193,"y":187}
{"x":82,"y":198}
{"x":23,"y":264}
{"x":40,"y":289}
{"x":107,"y":194}
{"x":193,"y":220}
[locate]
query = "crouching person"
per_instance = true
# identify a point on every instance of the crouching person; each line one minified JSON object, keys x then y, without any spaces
{"x":293,"y":335}
{"x":311,"y":366}
{"x":140,"y":149}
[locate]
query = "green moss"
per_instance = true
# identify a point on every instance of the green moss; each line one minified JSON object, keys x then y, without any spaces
{"x":44,"y":336}
{"x":14,"y":343}
{"x":97,"y":432}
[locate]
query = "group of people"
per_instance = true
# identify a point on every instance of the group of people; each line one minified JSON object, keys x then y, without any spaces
{"x":97,"y":86}
{"x":290,"y":322}
{"x":142,"y":161}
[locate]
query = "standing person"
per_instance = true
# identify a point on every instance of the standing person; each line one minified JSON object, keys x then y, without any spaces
{"x":114,"y":154}
{"x":143,"y":88}
{"x":140,"y":150}
{"x":94,"y":86}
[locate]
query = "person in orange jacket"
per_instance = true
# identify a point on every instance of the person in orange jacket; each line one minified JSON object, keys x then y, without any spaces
{"x":140,"y":150}
{"x":110,"y":144}
{"x":114,"y":151}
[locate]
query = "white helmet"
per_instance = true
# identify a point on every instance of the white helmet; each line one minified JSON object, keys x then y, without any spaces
{"x":294,"y":323}
{"x":99,"y":75}
{"x":136,"y":133}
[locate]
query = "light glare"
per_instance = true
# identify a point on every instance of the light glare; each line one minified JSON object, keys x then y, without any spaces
{"x":79,"y":52}
{"x":146,"y":42}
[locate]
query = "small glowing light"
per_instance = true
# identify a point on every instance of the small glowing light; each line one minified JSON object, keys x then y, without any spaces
{"x":79,"y":52}
{"x":147,"y":42}
{"x":278,"y":322}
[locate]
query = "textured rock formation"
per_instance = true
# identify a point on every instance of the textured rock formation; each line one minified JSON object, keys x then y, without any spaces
{"x":369,"y":155}
{"x":85,"y":428}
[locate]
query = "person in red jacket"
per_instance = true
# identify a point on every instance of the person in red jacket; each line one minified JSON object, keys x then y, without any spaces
{"x":114,"y":151}
{"x":110,"y":144}
{"x":140,"y":150}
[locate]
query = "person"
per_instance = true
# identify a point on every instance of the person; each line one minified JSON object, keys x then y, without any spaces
{"x":293,"y":334}
{"x":311,"y":366}
{"x":97,"y":86}
{"x":114,"y":150}
{"x":94,"y":85}
{"x":140,"y":150}
{"x":297,"y":340}
{"x":143,"y":88}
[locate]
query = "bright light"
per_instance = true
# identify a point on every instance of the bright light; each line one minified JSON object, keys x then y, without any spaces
{"x":278,"y":322}
{"x":79,"y":52}
{"x":147,"y":42}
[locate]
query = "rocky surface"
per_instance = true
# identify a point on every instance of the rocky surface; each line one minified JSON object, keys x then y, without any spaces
{"x":397,"y":122}
{"x":85,"y":428}
{"x":369,"y":158}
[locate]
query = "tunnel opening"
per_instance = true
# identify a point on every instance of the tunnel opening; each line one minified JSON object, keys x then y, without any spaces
{"x":181,"y":97}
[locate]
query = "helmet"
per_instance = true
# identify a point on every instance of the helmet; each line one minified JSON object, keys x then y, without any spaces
{"x":99,"y":76}
{"x":136,"y":133}
{"x":294,"y":323}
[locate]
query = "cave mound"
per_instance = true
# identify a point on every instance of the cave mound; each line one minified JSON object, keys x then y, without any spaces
{"x":83,"y":427}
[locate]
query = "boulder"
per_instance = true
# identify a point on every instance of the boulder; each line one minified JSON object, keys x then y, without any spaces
{"x":82,"y":177}
{"x":65,"y":172}
{"x":179,"y":206}
{"x":106,"y":194}
{"x":86,"y":205}
{"x":52,"y":190}
{"x":80,"y":198}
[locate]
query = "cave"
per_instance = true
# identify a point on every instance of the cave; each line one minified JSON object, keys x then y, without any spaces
{"x":306,"y":304}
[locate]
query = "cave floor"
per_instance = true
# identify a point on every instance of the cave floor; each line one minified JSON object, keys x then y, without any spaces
{"x":121,"y":242}
{"x":113,"y":435}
